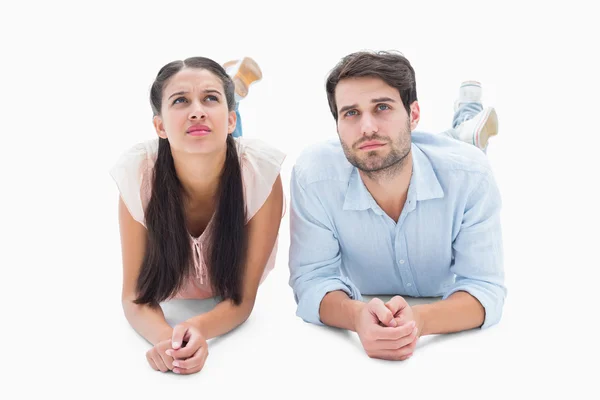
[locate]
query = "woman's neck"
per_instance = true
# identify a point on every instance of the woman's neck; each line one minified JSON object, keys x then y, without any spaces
{"x":199,"y":175}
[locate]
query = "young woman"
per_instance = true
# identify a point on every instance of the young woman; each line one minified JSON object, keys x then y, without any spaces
{"x":199,"y":213}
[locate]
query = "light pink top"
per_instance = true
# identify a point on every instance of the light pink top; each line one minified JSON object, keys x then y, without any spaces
{"x":260,"y":165}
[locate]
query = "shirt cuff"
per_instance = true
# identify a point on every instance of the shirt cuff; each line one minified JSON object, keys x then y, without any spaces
{"x":310,"y":303}
{"x":491,"y":298}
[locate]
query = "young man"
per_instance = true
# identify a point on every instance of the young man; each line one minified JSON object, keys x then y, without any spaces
{"x":390,"y":211}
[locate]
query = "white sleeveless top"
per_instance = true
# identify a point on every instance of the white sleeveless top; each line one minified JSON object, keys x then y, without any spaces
{"x":260,"y":164}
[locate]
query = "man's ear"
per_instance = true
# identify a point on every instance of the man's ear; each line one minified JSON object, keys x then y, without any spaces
{"x":415,"y":115}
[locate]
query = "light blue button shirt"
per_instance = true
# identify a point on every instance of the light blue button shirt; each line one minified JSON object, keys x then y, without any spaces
{"x":448,"y":237}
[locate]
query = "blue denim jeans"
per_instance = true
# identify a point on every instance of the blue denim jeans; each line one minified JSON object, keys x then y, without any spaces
{"x":238,"y":126}
{"x":464,"y":113}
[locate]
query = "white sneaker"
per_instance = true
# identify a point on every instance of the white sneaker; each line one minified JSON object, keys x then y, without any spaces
{"x":469,"y":92}
{"x":479,"y":129}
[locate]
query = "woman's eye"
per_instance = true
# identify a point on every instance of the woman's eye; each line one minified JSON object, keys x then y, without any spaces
{"x":179,"y":100}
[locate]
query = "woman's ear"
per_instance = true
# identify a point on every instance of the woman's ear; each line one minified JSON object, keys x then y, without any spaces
{"x":159,"y":127}
{"x":232,"y":121}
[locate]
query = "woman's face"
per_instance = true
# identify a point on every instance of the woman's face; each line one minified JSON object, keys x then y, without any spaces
{"x":194,"y":114}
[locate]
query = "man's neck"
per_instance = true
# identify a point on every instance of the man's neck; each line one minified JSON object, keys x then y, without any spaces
{"x":389,"y":187}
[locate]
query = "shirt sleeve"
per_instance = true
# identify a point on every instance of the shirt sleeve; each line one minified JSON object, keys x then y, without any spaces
{"x":261,"y":165}
{"x":130,"y":174}
{"x":478,"y":252}
{"x":314,"y":257}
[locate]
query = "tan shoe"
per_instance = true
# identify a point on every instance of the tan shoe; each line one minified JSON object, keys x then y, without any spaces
{"x":243,"y":72}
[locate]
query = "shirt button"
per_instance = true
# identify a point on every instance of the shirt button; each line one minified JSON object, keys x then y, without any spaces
{"x":409,"y":284}
{"x":401,"y":261}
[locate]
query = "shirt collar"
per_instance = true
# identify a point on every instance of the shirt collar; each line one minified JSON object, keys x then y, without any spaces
{"x":424,"y":180}
{"x":424,"y":185}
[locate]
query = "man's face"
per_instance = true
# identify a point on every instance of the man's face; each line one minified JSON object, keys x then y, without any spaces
{"x":373,"y":125}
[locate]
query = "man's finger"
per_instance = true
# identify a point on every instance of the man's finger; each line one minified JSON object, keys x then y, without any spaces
{"x":396,"y":305}
{"x":393,"y":355}
{"x":383,"y":314}
{"x":398,"y":344}
{"x":403,"y":319}
{"x":392,"y":333}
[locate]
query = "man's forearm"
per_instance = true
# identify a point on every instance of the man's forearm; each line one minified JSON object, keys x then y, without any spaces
{"x":339,"y":310}
{"x":459,"y":312}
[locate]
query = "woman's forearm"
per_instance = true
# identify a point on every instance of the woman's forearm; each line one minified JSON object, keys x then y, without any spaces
{"x":225,"y":317}
{"x":148,"y":321}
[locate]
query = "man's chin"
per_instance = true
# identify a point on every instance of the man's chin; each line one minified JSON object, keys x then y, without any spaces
{"x":372,"y":163}
{"x":370,"y":167}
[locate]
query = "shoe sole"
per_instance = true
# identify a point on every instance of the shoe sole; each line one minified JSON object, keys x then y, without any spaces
{"x":247,"y":73}
{"x":470,"y":83}
{"x":487,"y":128}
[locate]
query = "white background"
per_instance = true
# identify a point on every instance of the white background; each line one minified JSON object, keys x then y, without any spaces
{"x":74,"y":96}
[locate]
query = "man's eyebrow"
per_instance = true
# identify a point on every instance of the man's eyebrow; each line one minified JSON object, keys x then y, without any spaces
{"x":383,"y":99}
{"x":377,"y":100}
{"x":346,"y":108}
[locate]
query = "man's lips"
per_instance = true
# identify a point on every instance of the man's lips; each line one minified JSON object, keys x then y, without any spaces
{"x":370,"y":145}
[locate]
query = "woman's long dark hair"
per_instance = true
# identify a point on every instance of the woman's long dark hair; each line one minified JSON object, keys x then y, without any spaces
{"x":166,"y":263}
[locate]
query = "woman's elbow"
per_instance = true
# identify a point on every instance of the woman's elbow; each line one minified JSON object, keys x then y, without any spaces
{"x":246,"y":307}
{"x":130,"y":307}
